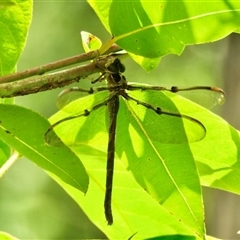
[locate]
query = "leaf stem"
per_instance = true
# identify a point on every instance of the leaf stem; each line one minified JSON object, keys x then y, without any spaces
{"x":13,"y":158}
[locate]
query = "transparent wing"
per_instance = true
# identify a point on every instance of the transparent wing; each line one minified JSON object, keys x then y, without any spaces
{"x":75,"y":114}
{"x":208,"y":97}
{"x":71,"y":94}
{"x":149,"y":108}
{"x":153,"y":113}
{"x":203,"y":95}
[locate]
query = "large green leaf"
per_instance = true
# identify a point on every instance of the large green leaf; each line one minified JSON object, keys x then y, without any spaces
{"x":156,"y":28}
{"x":217,"y":155}
{"x":156,"y":187}
{"x":5,"y":150}
{"x":7,"y":236}
{"x":15,"y":18}
{"x":154,"y":183}
{"x":24,"y":131}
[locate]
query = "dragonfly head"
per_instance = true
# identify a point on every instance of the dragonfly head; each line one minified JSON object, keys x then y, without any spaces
{"x":116,"y":67}
{"x":113,"y":69}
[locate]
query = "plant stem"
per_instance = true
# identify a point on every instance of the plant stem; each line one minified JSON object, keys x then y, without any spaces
{"x":29,"y":81}
{"x":55,"y":65}
{"x":47,"y":82}
{"x":13,"y":158}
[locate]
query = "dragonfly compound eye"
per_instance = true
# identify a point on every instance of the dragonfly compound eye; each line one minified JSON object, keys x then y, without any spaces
{"x":116,"y":66}
{"x":116,"y":77}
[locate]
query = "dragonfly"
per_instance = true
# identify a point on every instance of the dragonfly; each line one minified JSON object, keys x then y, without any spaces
{"x":163,"y":122}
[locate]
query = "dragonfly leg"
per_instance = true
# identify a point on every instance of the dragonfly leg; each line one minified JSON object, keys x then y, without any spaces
{"x":100,"y":78}
{"x":76,"y":89}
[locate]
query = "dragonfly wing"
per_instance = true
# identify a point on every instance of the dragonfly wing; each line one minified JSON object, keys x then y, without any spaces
{"x":207,"y":97}
{"x":71,"y":94}
{"x":165,"y":126}
{"x":203,"y":95}
{"x":77,"y":103}
{"x":79,"y":116}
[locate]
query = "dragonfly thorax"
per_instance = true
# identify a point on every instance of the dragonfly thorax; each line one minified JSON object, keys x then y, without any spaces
{"x":117,"y":80}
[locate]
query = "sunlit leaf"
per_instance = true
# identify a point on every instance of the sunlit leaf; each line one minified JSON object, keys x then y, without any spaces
{"x":15,"y":18}
{"x":24,"y":131}
{"x":5,"y":149}
{"x":144,"y":167}
{"x":90,"y":42}
{"x":217,"y":155}
{"x":7,"y":236}
{"x":156,"y":28}
{"x":147,"y":64}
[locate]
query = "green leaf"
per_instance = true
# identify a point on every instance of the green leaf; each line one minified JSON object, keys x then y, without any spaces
{"x":147,"y":64}
{"x":90,"y":42}
{"x":5,"y":151}
{"x":7,"y":100}
{"x":156,"y":190}
{"x":7,"y":236}
{"x":172,"y":237}
{"x":24,"y":131}
{"x":156,"y":28}
{"x":15,"y":18}
{"x":217,"y":155}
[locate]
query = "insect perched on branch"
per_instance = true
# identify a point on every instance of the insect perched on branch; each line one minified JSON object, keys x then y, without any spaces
{"x":159,"y":123}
